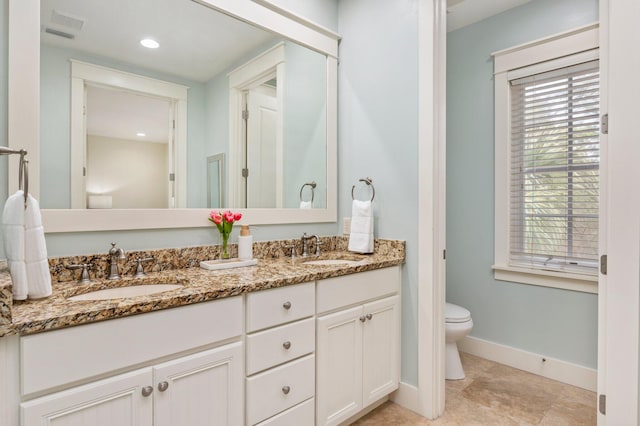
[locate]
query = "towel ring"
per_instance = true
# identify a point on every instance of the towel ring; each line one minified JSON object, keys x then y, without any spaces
{"x":23,"y":170}
{"x":369,"y":182}
{"x":312,"y":185}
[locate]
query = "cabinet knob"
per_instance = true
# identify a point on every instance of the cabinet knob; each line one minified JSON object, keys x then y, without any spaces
{"x":286,"y":305}
{"x":286,"y":390}
{"x":363,"y":318}
{"x":286,"y":344}
{"x":369,"y":316}
{"x":163,"y":386}
{"x":147,"y":390}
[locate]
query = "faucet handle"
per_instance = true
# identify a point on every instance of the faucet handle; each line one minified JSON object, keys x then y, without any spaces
{"x":140,"y":269}
{"x":318,"y":244}
{"x":293,"y":250}
{"x":84,"y":276}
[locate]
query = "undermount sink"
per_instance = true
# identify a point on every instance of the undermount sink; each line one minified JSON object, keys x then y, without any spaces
{"x":121,"y":292}
{"x":331,"y":262}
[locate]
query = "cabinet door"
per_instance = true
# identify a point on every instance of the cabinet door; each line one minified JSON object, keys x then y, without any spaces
{"x":339,"y":366}
{"x":381,"y":349}
{"x":114,"y":401}
{"x":203,"y":389}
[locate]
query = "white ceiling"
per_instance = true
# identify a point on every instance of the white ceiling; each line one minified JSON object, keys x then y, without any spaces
{"x":132,"y":112}
{"x":461,"y":13}
{"x":196,"y":42}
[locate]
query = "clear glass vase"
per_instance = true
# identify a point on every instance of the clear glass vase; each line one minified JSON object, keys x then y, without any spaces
{"x":224,"y":253}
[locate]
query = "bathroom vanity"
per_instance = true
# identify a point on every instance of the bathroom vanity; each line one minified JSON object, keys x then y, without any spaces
{"x":284,"y":342}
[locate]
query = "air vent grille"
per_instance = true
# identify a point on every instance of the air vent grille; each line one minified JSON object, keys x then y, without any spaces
{"x":66,"y":20}
{"x":59,"y":33}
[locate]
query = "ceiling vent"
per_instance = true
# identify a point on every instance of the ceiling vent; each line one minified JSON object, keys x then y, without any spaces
{"x":66,"y":20}
{"x":59,"y":33}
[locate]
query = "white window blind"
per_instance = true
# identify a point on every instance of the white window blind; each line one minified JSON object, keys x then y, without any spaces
{"x":554,"y":172}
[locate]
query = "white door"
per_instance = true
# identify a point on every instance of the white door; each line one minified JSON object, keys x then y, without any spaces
{"x":203,"y":389}
{"x":381,"y":349}
{"x":261,"y":150}
{"x":339,"y":366}
{"x":117,"y":400}
{"x":621,"y":308}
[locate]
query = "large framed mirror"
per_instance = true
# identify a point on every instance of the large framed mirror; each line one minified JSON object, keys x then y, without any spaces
{"x":100,"y":168}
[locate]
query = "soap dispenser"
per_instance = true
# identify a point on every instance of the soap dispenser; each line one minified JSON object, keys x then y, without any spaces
{"x":245,"y":243}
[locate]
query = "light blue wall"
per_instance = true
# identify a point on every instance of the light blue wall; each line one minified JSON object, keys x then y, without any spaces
{"x":378,"y":132}
{"x":556,"y":323}
{"x":305,"y":125}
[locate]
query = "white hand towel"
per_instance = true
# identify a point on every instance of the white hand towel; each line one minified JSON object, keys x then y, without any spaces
{"x":305,"y":204}
{"x":361,"y":236}
{"x":38,"y":275}
{"x":14,"y":243}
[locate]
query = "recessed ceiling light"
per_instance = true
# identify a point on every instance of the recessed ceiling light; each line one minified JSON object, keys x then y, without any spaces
{"x":151,"y":44}
{"x":141,"y":134}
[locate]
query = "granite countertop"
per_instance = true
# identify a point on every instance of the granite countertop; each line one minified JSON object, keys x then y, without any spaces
{"x":197,"y":285}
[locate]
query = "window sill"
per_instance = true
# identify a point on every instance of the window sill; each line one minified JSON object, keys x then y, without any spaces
{"x":565,"y":281}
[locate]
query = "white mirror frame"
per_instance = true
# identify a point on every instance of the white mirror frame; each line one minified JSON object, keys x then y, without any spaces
{"x":24,"y":121}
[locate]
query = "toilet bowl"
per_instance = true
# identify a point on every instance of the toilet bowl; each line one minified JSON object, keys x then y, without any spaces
{"x":458,"y":324}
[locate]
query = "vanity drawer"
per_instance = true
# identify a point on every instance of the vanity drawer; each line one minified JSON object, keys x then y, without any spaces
{"x":280,"y":388}
{"x":75,"y":354}
{"x":338,"y":292}
{"x":280,"y":305}
{"x":301,"y":414}
{"x":279,"y":345}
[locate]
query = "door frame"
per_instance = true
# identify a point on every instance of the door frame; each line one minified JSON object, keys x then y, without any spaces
{"x":253,"y":73}
{"x":83,"y":74}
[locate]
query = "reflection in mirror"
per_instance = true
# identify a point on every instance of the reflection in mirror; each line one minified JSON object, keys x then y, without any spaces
{"x":215,"y":181}
{"x":199,"y":56}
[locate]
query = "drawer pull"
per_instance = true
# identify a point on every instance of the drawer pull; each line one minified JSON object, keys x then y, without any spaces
{"x":147,"y":390}
{"x":286,"y":390}
{"x":363,"y":318}
{"x":369,"y":316}
{"x":286,"y":345}
{"x":163,"y":386}
{"x":286,"y":305}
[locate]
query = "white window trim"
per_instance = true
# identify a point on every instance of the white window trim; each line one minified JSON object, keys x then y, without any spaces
{"x":553,"y":48}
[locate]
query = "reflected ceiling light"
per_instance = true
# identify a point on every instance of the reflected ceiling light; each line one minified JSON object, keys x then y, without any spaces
{"x":151,"y":44}
{"x":141,"y":134}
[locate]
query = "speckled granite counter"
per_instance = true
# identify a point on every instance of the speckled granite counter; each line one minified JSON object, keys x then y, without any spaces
{"x":197,"y":285}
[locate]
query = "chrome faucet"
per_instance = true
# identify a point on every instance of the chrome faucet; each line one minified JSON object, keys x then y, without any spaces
{"x":305,"y":244}
{"x":114,"y":255}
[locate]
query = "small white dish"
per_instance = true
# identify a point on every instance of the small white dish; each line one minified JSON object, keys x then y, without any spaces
{"x":213,"y":265}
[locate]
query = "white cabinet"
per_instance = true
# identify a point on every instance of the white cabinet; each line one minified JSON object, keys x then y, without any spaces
{"x":183,"y":366}
{"x":280,"y":360}
{"x":114,"y":401}
{"x":358,"y":347}
{"x":200,"y":389}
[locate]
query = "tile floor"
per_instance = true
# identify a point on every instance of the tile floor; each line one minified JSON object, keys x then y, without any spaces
{"x":494,"y":394}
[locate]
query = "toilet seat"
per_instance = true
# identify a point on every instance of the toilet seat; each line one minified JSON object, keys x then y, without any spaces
{"x":456,"y":314}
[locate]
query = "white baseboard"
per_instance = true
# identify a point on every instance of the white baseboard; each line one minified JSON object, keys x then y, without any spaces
{"x":551,"y":368}
{"x":406,"y":396}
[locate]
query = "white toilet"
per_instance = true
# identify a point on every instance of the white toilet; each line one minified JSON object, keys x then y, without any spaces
{"x":458,"y":324}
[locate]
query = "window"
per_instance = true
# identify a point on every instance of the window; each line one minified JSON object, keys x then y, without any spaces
{"x":554,"y":181}
{"x":547,"y":162}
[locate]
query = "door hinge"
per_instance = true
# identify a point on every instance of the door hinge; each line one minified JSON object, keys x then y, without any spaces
{"x":603,"y":264}
{"x":172,"y":177}
{"x":174,"y":124}
{"x":602,"y":404}
{"x":245,"y":173}
{"x":245,"y":114}
{"x":84,"y":171}
{"x":604,"y":124}
{"x":444,"y":255}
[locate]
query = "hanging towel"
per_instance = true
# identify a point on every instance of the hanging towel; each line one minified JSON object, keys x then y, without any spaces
{"x":25,"y":247}
{"x":361,"y":236}
{"x":14,"y":243}
{"x":38,"y":275}
{"x":305,"y":204}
